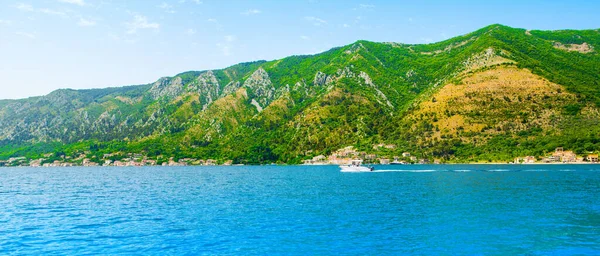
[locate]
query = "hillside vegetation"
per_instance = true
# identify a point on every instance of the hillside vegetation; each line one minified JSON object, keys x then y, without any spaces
{"x":490,"y":95}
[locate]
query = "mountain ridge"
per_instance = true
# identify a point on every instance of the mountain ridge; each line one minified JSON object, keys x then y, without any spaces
{"x":355,"y":95}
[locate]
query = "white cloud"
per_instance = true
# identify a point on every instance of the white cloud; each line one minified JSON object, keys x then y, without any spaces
{"x":190,"y":32}
{"x":346,"y":25}
{"x":251,"y":12}
{"x":305,"y":37}
{"x":367,"y":6}
{"x":218,"y":25}
{"x":25,"y":34}
{"x":52,"y":12}
{"x":167,"y":7}
{"x":29,"y":8}
{"x":140,"y":22}
{"x":24,"y":7}
{"x":86,"y":23}
{"x":316,"y":21}
{"x":194,"y":1}
{"x":77,"y":2}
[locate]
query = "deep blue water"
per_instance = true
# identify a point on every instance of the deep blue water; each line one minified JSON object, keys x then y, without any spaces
{"x":307,"y":210}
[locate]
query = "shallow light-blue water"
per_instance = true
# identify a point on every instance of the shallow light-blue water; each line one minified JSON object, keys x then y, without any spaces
{"x":271,"y":210}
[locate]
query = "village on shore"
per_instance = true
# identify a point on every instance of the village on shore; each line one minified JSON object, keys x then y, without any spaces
{"x":345,"y":155}
{"x":130,"y":160}
{"x":340,"y":157}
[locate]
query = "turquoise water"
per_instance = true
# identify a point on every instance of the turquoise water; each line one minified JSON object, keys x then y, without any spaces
{"x":274,"y":210}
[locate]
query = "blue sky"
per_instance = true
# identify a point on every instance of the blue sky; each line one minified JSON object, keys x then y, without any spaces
{"x":51,"y":44}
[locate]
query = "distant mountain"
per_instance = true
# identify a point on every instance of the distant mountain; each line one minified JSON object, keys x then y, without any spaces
{"x":490,"y":95}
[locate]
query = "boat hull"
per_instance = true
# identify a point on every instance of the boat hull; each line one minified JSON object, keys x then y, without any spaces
{"x":345,"y":168}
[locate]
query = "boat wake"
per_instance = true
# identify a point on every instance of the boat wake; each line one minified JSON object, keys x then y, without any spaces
{"x":409,"y":171}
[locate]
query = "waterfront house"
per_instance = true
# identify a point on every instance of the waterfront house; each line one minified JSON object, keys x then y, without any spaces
{"x":529,"y":159}
{"x":568,"y":157}
{"x":560,"y":155}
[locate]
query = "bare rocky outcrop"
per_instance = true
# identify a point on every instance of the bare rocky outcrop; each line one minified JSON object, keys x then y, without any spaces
{"x":346,"y":72}
{"x":486,"y":58}
{"x":231,"y":87}
{"x":355,"y":48}
{"x":207,"y":86}
{"x":381,"y":98}
{"x":167,"y":87}
{"x":261,"y":88}
{"x":322,"y":79}
{"x":581,"y":48}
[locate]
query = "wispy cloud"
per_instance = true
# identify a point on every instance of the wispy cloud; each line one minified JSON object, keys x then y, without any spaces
{"x":192,"y":1}
{"x":29,"y":8}
{"x":190,"y":32}
{"x":251,"y":12}
{"x":86,"y":23}
{"x":346,"y":25}
{"x":5,"y":22}
{"x":24,"y":7}
{"x":315,"y":21}
{"x":140,"y":22}
{"x":77,"y":2}
{"x":305,"y":37}
{"x":366,"y":6}
{"x":216,"y":23}
{"x":52,"y":12}
{"x":167,"y":7}
{"x":25,"y":34}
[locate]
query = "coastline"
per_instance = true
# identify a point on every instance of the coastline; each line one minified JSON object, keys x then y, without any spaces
{"x":238,"y":165}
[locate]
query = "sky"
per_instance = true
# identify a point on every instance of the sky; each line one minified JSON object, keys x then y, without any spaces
{"x":50,"y":44}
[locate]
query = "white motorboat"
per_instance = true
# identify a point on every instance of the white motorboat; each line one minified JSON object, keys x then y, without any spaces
{"x":356,"y":166}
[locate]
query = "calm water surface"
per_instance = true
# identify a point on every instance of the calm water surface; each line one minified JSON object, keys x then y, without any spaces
{"x":271,"y":210}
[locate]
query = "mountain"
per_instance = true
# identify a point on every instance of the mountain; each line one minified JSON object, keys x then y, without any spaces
{"x":490,"y":95}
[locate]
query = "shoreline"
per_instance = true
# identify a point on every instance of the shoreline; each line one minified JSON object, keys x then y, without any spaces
{"x":527,"y":164}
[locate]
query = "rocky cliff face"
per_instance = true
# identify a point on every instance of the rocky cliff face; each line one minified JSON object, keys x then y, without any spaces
{"x":167,"y":88}
{"x":260,"y":88}
{"x":207,"y":86}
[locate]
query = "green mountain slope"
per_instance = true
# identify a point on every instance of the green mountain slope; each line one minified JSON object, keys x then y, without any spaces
{"x":490,"y":95}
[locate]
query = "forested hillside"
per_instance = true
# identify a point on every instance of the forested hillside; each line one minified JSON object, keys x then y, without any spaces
{"x":490,"y":95}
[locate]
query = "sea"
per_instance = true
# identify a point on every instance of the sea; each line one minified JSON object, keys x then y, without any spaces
{"x":301,"y":210}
